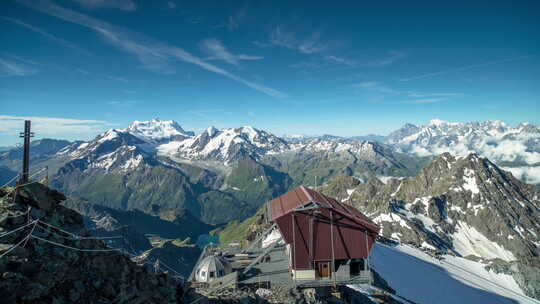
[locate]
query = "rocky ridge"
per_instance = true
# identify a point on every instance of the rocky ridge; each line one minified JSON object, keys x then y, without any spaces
{"x":462,"y":205}
{"x":30,"y":272}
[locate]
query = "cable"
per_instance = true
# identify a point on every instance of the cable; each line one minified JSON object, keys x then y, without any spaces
{"x":78,"y":237}
{"x":170,"y":268}
{"x":73,"y":248}
{"x":31,"y":231}
{"x":17,"y":187}
{"x":14,"y":230}
{"x":11,"y":180}
{"x":14,"y":216}
{"x":15,"y":246}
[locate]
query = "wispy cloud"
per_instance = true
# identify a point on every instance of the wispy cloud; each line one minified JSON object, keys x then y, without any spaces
{"x":281,"y":37}
{"x":379,"y":87}
{"x":368,"y":84}
{"x":46,"y":34}
{"x":125,"y":5}
{"x":381,"y":90}
{"x":234,"y":20}
{"x":217,"y":51}
{"x":421,"y":95}
{"x":428,"y":100}
{"x":51,"y":125}
{"x":334,"y":60}
{"x":171,"y":4}
{"x":124,"y":103}
{"x":153,"y":55}
{"x":116,"y":78}
{"x":9,"y":68}
{"x":468,"y":67}
{"x":390,"y":58}
{"x":340,"y":60}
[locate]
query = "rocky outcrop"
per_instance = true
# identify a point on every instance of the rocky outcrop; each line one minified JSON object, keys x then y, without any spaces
{"x":174,"y":256}
{"x":465,"y":206}
{"x":56,"y":267}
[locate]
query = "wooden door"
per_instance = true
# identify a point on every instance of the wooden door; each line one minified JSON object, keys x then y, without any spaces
{"x":323,"y":269}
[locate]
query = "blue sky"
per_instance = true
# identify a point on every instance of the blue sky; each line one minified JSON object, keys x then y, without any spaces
{"x":315,"y":67}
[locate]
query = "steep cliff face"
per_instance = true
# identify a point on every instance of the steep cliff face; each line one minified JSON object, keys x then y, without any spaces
{"x":43,"y":264}
{"x":462,"y":205}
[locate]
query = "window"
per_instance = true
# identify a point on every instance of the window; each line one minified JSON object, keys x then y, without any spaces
{"x":212,"y":273}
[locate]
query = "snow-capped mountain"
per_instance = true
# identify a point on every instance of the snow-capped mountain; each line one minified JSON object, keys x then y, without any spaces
{"x":335,"y":144}
{"x":493,"y":139}
{"x":226,"y":145}
{"x":114,"y":149}
{"x":465,"y":206}
{"x":158,"y":130}
{"x":217,"y":170}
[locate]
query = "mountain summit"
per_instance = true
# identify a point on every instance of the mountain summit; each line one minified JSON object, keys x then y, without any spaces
{"x":466,"y":206}
{"x":158,"y":130}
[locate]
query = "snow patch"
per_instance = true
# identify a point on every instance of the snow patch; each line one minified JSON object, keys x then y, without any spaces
{"x":469,"y":181}
{"x":422,"y":278}
{"x":469,"y":241}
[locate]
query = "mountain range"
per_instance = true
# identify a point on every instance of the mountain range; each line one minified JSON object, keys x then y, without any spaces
{"x":421,"y":183}
{"x":456,"y":212}
{"x":464,"y":206}
{"x":217,"y":175}
{"x":226,"y":174}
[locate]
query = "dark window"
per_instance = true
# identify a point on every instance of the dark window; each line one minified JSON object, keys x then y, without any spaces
{"x":212,"y":273}
{"x":355,"y":267}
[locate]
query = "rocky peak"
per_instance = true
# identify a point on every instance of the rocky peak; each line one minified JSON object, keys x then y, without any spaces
{"x":452,"y":199}
{"x":158,"y":130}
{"x":211,"y":131}
{"x":55,"y":266}
{"x":230,"y":144}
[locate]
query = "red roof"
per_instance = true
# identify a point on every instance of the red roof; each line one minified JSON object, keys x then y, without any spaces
{"x":301,"y":196}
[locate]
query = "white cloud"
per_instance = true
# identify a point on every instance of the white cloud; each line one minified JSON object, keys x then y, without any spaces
{"x":421,"y":95}
{"x":530,"y":175}
{"x":217,"y":51}
{"x":380,"y":88}
{"x":234,"y":21}
{"x":287,"y":39}
{"x":125,"y":5}
{"x":468,"y":67}
{"x":117,"y":78}
{"x":153,"y":55}
{"x":368,"y":84}
{"x":340,"y":60}
{"x":10,"y":68}
{"x":51,"y":125}
{"x":392,"y":56}
{"x":45,"y":34}
{"x":123,"y":103}
{"x":428,"y":100}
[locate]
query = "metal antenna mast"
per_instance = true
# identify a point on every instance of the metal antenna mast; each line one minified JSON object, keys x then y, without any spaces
{"x":26,"y":156}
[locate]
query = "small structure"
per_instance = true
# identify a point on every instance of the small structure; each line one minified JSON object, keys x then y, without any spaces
{"x":326,"y":239}
{"x":310,"y":241}
{"x":211,"y":268}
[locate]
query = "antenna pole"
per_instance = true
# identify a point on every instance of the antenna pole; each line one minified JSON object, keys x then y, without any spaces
{"x":26,"y":156}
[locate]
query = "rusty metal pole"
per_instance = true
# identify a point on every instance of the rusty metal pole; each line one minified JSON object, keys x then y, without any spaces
{"x":26,"y":156}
